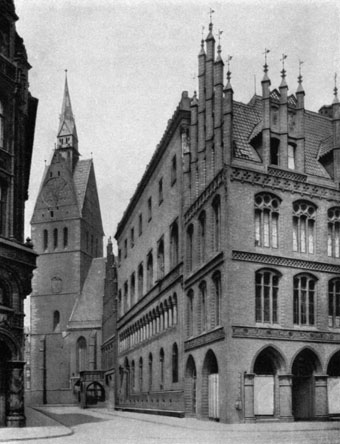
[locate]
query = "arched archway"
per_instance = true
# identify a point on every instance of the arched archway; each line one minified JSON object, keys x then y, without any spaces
{"x":268,"y":364}
{"x":95,"y":393}
{"x":333,"y":384}
{"x":210,"y":387}
{"x":306,"y":364}
{"x":190,"y":387}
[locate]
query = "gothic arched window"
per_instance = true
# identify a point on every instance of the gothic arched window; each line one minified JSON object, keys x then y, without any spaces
{"x":333,"y":246}
{"x":266,"y":220}
{"x":303,"y":227}
{"x":266,"y":296}
{"x":304,"y":299}
{"x":334,"y":303}
{"x":81,"y":355}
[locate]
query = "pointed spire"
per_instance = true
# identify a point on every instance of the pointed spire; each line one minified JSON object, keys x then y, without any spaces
{"x":67,"y":126}
{"x":202,"y":52}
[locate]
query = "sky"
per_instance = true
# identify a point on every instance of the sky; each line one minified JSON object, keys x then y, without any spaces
{"x":129,"y":61}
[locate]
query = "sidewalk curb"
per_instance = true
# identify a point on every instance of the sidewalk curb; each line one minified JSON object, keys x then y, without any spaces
{"x":58,"y":434}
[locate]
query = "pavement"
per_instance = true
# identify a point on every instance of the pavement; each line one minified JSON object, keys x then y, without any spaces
{"x":40,"y":424}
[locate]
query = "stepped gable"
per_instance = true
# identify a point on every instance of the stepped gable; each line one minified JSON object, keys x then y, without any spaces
{"x":87,"y":312}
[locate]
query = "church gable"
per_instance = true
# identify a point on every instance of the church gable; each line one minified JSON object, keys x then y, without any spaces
{"x":88,"y":198}
{"x":57,"y":193}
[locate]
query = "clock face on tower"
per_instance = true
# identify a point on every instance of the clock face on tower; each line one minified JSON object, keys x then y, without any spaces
{"x":54,"y":191}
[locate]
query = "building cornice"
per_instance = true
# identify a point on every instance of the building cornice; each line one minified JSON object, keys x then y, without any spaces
{"x":289,"y":262}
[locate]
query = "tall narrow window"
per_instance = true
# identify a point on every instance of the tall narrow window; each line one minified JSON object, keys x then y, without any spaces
{"x":216,"y":205}
{"x":45,"y":239}
{"x":333,"y":246}
{"x":126,"y":296}
{"x":140,"y":280}
{"x":149,"y":208}
{"x":334,"y":303}
{"x":133,"y":289}
{"x":2,"y":126}
{"x":81,"y":355}
{"x":150,"y":372}
{"x":266,"y":220}
{"x":56,"y":320}
{"x":174,"y":245}
{"x":160,"y":259}
{"x":173,"y":170}
{"x":125,"y":247}
{"x":174,"y":363}
{"x":304,"y":299}
{"x":149,"y":271}
{"x":132,"y":237}
{"x":274,"y":151}
{"x":160,"y":191}
{"x":141,"y":374}
{"x":303,"y":227}
{"x":65,"y":232}
{"x":190,"y":235}
{"x":291,"y":157}
{"x":161,"y":365}
{"x":3,"y":211}
{"x":217,"y":288}
{"x":133,"y":376}
{"x":203,"y":318}
{"x":55,"y":238}
{"x":266,"y":296}
{"x":120,"y":303}
{"x":190,"y":313}
{"x":202,"y":240}
{"x":140,"y":224}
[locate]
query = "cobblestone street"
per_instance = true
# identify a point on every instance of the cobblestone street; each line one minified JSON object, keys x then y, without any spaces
{"x":101,"y":426}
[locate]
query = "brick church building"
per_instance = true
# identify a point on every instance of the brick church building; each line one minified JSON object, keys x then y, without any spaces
{"x":228,"y":271}
{"x":17,"y":259}
{"x":68,"y":285}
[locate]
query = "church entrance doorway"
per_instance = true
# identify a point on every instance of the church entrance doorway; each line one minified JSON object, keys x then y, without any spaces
{"x":190,"y":387}
{"x":304,"y":368}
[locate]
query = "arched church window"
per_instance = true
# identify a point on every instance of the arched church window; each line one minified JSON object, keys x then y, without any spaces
{"x":55,"y":238}
{"x":81,"y":355}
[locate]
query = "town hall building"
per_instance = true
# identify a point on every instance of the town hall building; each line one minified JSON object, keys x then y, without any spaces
{"x":228,"y":258}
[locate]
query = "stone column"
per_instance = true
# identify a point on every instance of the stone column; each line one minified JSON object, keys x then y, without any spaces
{"x":285,"y":397}
{"x":321,"y":397}
{"x":16,"y":415}
{"x":249,"y":397}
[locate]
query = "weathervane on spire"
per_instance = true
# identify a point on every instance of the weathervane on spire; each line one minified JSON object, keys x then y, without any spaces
{"x":335,"y":84}
{"x":228,"y":64}
{"x":220,"y":32}
{"x":211,"y":13}
{"x":202,"y":33}
{"x":301,"y":62}
{"x":284,"y":56}
{"x":266,"y":50}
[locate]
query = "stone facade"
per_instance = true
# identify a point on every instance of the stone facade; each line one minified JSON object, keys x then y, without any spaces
{"x":68,"y":285}
{"x":17,"y":259}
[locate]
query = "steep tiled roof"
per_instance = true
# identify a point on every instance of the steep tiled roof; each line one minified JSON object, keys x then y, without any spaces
{"x":317,"y":129}
{"x":88,"y":308}
{"x":246,"y":118}
{"x":80,"y":178}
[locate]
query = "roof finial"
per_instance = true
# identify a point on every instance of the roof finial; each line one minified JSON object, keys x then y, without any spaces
{"x":228,"y":72}
{"x":202,"y":40}
{"x":336,"y":100}
{"x":211,"y":13}
{"x":283,"y":72}
{"x":220,"y":32}
{"x":300,"y":87}
{"x":265,"y":66}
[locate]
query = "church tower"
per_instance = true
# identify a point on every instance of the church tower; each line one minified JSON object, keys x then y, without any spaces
{"x":67,"y":234}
